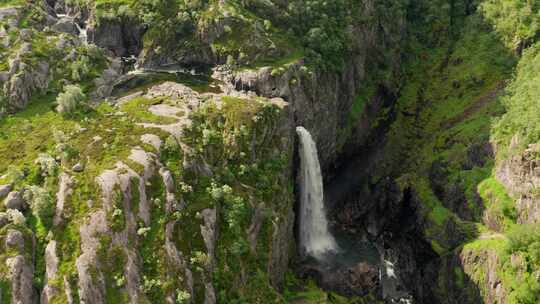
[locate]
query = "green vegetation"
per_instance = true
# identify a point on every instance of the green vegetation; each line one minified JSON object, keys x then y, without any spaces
{"x":519,"y":126}
{"x":498,"y":204}
{"x":70,"y":100}
{"x":517,"y":21}
{"x":307,"y":292}
{"x":517,"y":262}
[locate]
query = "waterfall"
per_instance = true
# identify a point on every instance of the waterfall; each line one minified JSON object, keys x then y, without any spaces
{"x":315,"y":239}
{"x":83,"y":35}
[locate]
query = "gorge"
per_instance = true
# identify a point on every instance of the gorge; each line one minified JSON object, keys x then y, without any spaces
{"x":269,"y":151}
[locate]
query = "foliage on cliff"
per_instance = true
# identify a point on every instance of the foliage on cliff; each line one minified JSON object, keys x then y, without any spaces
{"x":519,"y":126}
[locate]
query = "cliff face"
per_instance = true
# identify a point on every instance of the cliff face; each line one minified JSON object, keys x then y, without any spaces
{"x":450,"y":210}
{"x":322,"y":101}
{"x":173,"y":194}
{"x":520,"y":174}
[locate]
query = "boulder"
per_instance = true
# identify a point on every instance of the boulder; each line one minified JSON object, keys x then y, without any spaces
{"x":4,"y":190}
{"x":350,"y":279}
{"x":15,"y":238}
{"x":78,"y":167}
{"x":66,"y":25}
{"x":15,"y":200}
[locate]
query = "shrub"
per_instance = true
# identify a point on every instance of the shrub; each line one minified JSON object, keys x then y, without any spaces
{"x":80,"y":68}
{"x":47,"y":164}
{"x":70,"y":100}
{"x":182,"y":297}
{"x":14,"y":175}
{"x":526,"y":238}
{"x":517,"y":21}
{"x":41,"y":203}
{"x":16,"y":217}
{"x":523,"y":109}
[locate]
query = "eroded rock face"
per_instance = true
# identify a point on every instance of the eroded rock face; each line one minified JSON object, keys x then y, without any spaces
{"x":15,"y":200}
{"x":4,"y":190}
{"x":64,"y":192}
{"x":66,"y":25}
{"x":21,"y":274}
{"x":23,"y":81}
{"x":521,"y":176}
{"x":91,"y":281}
{"x":51,"y":269}
{"x":362,"y":278}
{"x":122,"y":37}
{"x":466,"y":275}
{"x":209,"y":234}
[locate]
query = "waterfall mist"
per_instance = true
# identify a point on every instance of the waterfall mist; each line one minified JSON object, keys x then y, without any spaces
{"x":315,"y":239}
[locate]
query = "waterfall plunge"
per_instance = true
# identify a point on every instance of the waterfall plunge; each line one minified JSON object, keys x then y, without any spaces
{"x":315,"y":239}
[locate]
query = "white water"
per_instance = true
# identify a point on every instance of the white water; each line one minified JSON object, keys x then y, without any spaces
{"x":83,"y":34}
{"x":142,"y":71}
{"x":315,"y":239}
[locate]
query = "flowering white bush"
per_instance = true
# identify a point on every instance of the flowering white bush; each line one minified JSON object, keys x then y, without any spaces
{"x":70,"y":99}
{"x":185,"y":188}
{"x":16,"y":217}
{"x":143,"y":231}
{"x":47,"y":164}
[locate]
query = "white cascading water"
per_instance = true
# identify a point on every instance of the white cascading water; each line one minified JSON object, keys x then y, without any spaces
{"x":315,"y":238}
{"x":83,"y":34}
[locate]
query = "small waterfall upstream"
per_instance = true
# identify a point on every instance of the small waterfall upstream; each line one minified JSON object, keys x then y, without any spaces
{"x":83,"y":34}
{"x":315,"y":238}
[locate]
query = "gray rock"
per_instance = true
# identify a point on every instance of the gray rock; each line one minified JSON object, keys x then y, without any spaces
{"x":520,"y":174}
{"x":91,"y":280}
{"x":64,"y":191}
{"x":4,"y":219}
{"x":15,"y":238}
{"x":168,"y":181}
{"x":25,"y":82}
{"x":25,"y":34}
{"x":51,"y":269}
{"x":15,"y":200}
{"x":62,"y":43}
{"x":257,"y":221}
{"x":4,"y":190}
{"x":26,"y":48}
{"x":3,"y":32}
{"x":209,"y":234}
{"x":4,"y":76}
{"x":14,"y":65}
{"x":78,"y":167}
{"x":8,"y":12}
{"x":122,"y":37}
{"x":66,"y":25}
{"x":21,"y":275}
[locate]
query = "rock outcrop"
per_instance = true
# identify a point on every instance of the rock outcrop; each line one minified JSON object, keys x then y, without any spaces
{"x":520,"y":174}
{"x":123,"y":36}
